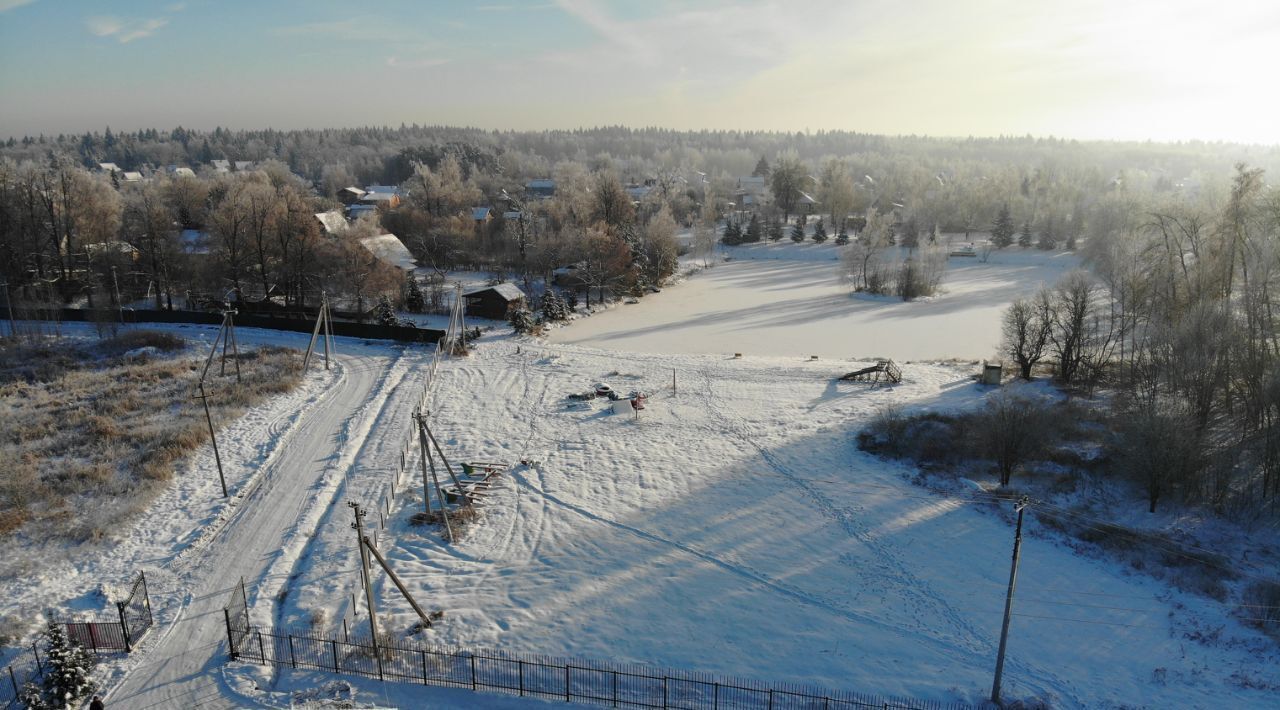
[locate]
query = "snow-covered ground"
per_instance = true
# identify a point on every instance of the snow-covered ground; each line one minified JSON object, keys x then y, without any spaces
{"x":788,"y":299}
{"x":735,"y":528}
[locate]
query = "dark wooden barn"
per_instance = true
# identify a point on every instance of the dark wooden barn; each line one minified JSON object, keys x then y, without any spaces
{"x":494,"y":302}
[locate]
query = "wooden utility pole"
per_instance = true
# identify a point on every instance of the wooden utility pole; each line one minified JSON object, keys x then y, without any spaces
{"x":229,"y":337}
{"x":1008,"y":602}
{"x":364,"y":572}
{"x":322,"y":319}
{"x":373,"y":549}
{"x":204,"y":399}
{"x":425,"y":447}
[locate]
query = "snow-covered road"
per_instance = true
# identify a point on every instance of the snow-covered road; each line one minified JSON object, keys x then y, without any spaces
{"x":263,"y":536}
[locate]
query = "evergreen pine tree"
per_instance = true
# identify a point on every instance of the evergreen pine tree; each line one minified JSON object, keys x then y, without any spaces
{"x":762,"y":168}
{"x":754,"y":230}
{"x":553,"y":306}
{"x":1024,"y":238}
{"x":842,"y":236}
{"x":384,"y":313}
{"x":774,"y":232}
{"x":797,"y":230}
{"x":67,"y":673}
{"x":1003,"y":230}
{"x":1048,"y":240}
{"x":414,"y":301}
{"x":522,"y":321}
{"x":1071,"y":242}
{"x":732,"y":233}
{"x":819,"y":232}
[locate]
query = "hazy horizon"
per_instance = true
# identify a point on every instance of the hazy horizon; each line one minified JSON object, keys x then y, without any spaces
{"x":1173,"y":71}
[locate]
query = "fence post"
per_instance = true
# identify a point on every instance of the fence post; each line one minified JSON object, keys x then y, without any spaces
{"x":146,"y":597}
{"x":262,"y":651}
{"x":124,"y":627}
{"x":334,"y":645}
{"x":35,"y":651}
{"x":715,"y":697}
{"x":424,"y":667}
{"x":566,"y":682}
{"x":93,"y":637}
{"x":520,"y":668}
{"x":231,"y":638}
{"x":615,"y":688}
{"x":664,"y":693}
{"x":473,"y":671}
{"x":13,"y":680}
{"x":293,"y":660}
{"x":771,"y":699}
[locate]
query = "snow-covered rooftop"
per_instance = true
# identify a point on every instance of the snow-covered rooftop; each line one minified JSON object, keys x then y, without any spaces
{"x":389,"y":249}
{"x":509,"y":291}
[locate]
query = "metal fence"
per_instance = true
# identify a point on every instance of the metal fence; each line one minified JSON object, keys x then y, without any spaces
{"x":27,"y":667}
{"x":263,"y":320}
{"x":578,"y":681}
{"x":133,"y":618}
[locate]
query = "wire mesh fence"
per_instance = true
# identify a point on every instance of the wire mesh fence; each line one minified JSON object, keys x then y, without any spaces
{"x":577,"y":681}
{"x":26,"y":667}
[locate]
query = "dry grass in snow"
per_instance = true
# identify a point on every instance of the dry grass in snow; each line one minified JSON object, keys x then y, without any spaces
{"x":90,"y":431}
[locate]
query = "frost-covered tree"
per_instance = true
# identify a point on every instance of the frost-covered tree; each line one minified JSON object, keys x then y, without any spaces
{"x":554,"y":307}
{"x":732,"y":233}
{"x":522,"y":321}
{"x":1025,"y":237}
{"x":842,"y":236}
{"x":819,"y":232}
{"x":384,"y":313}
{"x":1048,"y":237}
{"x":414,"y":301}
{"x":67,"y":670}
{"x":774,"y":231}
{"x":911,"y":234}
{"x":797,"y":230}
{"x":1003,"y":230}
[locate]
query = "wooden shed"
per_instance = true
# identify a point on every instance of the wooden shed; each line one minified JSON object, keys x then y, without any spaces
{"x":494,"y":302}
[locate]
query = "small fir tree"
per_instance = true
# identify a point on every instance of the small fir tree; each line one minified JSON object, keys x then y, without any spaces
{"x":732,"y":234}
{"x":1003,"y":230}
{"x":819,"y":232}
{"x":554,"y":307}
{"x":797,"y":230}
{"x":755,"y":230}
{"x":67,"y":673}
{"x":414,"y":301}
{"x":774,"y":232}
{"x":842,"y":236}
{"x":1024,"y":237}
{"x":384,"y":313}
{"x":762,"y":168}
{"x":1071,"y":242}
{"x":522,"y":321}
{"x":1048,"y":240}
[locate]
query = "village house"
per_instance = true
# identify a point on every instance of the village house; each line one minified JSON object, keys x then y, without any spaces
{"x":494,"y":302}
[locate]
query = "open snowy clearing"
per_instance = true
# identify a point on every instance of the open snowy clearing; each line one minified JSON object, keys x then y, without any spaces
{"x":735,"y":528}
{"x":787,"y":299}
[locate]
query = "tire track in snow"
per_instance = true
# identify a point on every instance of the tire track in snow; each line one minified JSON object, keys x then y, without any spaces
{"x":918,"y":593}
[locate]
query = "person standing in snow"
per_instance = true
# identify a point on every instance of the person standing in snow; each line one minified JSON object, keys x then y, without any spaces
{"x":96,"y":704}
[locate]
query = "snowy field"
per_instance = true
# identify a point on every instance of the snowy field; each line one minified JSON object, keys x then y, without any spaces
{"x":735,"y":528}
{"x":787,"y":299}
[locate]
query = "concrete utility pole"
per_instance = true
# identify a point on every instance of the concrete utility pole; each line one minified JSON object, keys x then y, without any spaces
{"x":1008,"y":602}
{"x":404,"y":591}
{"x":364,"y":571}
{"x":204,"y":399}
{"x":229,"y":336}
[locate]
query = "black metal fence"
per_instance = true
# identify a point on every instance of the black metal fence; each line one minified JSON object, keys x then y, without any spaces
{"x":27,"y":667}
{"x":263,"y":320}
{"x":133,"y":618}
{"x":578,"y":681}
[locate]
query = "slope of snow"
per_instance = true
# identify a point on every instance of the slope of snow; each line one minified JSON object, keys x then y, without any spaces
{"x":786,"y":299}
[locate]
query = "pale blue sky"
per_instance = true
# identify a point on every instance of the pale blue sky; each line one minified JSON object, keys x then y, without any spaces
{"x":1088,"y":68}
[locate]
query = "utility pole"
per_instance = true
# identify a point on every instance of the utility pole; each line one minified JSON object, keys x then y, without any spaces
{"x":364,"y":571}
{"x":115,"y":285}
{"x":13,"y":329}
{"x":322,"y":320}
{"x":204,"y":399}
{"x":1008,"y":601}
{"x":229,"y":336}
{"x":426,"y":452}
